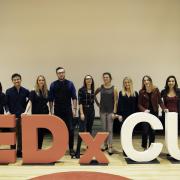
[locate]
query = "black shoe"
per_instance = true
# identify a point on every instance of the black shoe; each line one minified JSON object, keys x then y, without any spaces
{"x":77,"y":155}
{"x":19,"y":154}
{"x":168,"y":155}
{"x":124,"y":154}
{"x":71,"y":152}
{"x":13,"y":146}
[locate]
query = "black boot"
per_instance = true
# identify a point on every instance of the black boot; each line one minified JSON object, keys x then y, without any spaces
{"x":71,"y":152}
{"x":77,"y":155}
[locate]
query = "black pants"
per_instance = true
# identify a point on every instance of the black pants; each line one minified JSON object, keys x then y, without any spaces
{"x":18,"y":131}
{"x":67,"y":117}
{"x":147,"y":134}
{"x":86,"y":125}
{"x":40,"y":137}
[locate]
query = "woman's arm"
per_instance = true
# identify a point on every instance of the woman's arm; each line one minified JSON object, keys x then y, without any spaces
{"x":95,"y":96}
{"x":82,"y":117}
{"x":160,"y":102}
{"x":115,"y":100}
{"x":140,"y":102}
{"x":28,"y":107}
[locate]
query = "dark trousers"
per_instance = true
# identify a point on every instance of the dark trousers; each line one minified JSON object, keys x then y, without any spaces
{"x":40,"y":137}
{"x":18,"y":131}
{"x":147,"y":134}
{"x":86,"y":125}
{"x":67,"y":117}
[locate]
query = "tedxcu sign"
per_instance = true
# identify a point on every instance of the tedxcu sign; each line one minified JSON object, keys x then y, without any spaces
{"x":31,"y":153}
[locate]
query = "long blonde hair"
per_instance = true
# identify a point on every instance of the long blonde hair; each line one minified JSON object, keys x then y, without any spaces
{"x":44,"y":88}
{"x":132,"y":93}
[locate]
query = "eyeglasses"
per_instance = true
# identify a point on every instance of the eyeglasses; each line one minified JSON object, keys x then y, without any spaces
{"x":88,"y":78}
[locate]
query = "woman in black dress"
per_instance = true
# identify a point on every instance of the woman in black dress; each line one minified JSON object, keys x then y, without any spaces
{"x":39,"y":103}
{"x":128,"y":100}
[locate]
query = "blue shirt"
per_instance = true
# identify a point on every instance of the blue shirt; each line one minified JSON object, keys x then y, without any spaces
{"x":17,"y":100}
{"x":61,"y":93}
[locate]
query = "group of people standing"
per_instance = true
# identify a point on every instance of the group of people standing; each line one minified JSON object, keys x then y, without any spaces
{"x":61,"y":100}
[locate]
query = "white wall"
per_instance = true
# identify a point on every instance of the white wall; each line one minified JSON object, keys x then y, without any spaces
{"x":124,"y":37}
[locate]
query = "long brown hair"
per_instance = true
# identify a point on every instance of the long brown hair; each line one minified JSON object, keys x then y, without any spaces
{"x":92,"y":85}
{"x":150,"y":79}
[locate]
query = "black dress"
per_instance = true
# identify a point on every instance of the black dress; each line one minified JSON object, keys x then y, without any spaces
{"x":127,"y":105}
{"x":39,"y":106}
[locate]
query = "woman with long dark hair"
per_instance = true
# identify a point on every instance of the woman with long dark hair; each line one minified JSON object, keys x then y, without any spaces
{"x":171,"y":94}
{"x":86,"y":109}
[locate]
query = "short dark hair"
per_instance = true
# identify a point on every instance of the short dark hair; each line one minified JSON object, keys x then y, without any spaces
{"x":0,"y":87}
{"x":58,"y":68}
{"x":107,"y":73}
{"x":15,"y":75}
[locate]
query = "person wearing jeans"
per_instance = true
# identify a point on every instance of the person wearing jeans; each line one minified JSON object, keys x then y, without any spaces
{"x":86,"y":109}
{"x":108,"y":108}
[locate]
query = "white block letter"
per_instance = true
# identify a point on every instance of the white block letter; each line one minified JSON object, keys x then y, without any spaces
{"x":126,"y":137}
{"x":171,"y":134}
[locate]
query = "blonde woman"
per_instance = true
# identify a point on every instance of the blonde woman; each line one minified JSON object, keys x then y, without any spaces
{"x":108,"y":108}
{"x":39,"y":102}
{"x":128,"y":99}
{"x":149,"y":101}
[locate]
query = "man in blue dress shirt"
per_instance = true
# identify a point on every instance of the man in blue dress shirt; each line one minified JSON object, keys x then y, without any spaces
{"x":17,"y":97}
{"x":62,"y":92}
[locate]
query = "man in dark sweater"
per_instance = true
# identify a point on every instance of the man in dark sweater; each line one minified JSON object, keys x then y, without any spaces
{"x":62,"y":92}
{"x":17,"y":97}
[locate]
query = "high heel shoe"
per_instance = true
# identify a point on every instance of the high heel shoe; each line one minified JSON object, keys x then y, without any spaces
{"x":110,"y":151}
{"x":105,"y":147}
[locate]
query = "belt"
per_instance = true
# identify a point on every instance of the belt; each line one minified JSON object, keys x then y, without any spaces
{"x":88,"y":106}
